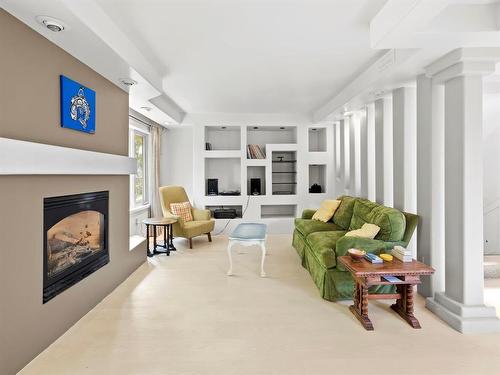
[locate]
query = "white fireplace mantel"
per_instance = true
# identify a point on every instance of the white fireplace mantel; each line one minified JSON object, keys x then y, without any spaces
{"x":29,"y":158}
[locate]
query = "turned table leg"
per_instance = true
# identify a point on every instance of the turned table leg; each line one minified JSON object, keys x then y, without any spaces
{"x":404,"y":306}
{"x":360,"y":306}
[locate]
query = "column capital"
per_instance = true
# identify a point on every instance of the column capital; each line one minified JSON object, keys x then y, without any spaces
{"x":464,"y":61}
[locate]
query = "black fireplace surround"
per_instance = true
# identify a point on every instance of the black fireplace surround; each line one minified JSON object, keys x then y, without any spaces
{"x":75,"y":239}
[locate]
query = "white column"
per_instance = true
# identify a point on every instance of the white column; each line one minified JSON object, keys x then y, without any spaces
{"x":462,"y":303}
{"x":404,"y":148}
{"x":430,"y":182}
{"x":353,"y":125}
{"x":363,"y":153}
{"x":383,"y":151}
{"x":370,"y":149}
{"x":347,"y":155}
{"x":340,"y":159}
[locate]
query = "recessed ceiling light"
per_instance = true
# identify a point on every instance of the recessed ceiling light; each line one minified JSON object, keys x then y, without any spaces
{"x":51,"y":23}
{"x":146,"y":108}
{"x":128,"y":81}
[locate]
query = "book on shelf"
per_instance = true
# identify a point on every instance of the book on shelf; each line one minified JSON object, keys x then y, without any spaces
{"x":208,"y":146}
{"x":255,"y":152}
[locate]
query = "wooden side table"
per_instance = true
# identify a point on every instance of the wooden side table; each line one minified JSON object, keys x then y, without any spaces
{"x":168,"y":244}
{"x":366,"y":274}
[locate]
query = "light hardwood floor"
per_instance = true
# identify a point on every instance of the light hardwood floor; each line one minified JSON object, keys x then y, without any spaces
{"x":182,"y":315}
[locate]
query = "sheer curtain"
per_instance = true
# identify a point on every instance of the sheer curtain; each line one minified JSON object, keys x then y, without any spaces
{"x":155,"y":170}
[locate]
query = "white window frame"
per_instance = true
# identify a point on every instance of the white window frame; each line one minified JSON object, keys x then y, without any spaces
{"x":137,"y":128}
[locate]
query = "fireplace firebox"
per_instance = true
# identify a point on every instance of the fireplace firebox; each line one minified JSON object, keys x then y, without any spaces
{"x":75,"y":239}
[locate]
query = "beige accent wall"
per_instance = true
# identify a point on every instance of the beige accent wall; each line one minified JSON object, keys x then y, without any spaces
{"x":29,"y":110}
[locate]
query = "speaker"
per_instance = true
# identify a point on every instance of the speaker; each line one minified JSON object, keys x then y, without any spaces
{"x":213,"y":186}
{"x":255,"y":186}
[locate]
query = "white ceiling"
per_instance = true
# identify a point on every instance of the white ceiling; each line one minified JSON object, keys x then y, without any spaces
{"x":250,"y":56}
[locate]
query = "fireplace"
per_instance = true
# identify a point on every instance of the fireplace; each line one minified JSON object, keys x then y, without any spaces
{"x":75,"y":239}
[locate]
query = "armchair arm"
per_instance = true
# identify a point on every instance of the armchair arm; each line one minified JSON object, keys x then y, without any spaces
{"x":366,"y":244}
{"x":308,"y":214}
{"x":201,"y":214}
{"x":170,"y":215}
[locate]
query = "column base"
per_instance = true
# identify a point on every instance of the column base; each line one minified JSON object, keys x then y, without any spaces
{"x":464,"y":318}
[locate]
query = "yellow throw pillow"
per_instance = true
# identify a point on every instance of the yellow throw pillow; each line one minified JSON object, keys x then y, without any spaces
{"x":366,"y":231}
{"x":326,"y":211}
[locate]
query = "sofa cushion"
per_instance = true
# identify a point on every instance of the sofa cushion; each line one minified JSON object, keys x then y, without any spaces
{"x":343,"y":215}
{"x":392,"y":222}
{"x":308,"y":226}
{"x":361,"y":213}
{"x":322,"y":245}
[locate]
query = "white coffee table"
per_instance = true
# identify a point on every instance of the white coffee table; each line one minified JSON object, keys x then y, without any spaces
{"x":248,"y":234}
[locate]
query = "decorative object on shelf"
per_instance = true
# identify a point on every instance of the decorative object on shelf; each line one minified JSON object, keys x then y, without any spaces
{"x":212,"y":186}
{"x":280,"y":158}
{"x":208,"y":146}
{"x":255,"y":152}
{"x":77,"y":106}
{"x":255,"y":186}
{"x":315,"y":188}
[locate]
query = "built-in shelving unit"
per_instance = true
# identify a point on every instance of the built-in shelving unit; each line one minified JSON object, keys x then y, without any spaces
{"x":292,"y":159}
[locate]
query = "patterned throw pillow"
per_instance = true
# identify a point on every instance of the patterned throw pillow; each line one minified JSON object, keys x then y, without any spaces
{"x":183,"y":210}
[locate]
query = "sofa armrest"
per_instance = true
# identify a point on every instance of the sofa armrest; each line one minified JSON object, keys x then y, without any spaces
{"x":366,"y":244}
{"x":201,"y":214}
{"x":308,"y":214}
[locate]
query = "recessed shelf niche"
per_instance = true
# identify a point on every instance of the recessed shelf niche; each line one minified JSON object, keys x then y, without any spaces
{"x":263,"y":135}
{"x":269,"y":211}
{"x":222,"y":138}
{"x":284,"y":172}
{"x":256,"y":172}
{"x":226,"y":170}
{"x":317,"y":139}
{"x":317,"y":175}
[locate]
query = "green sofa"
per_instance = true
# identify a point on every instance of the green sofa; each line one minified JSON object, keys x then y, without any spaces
{"x":319,"y":244}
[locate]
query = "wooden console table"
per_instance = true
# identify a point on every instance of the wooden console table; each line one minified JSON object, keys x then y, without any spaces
{"x":366,"y":274}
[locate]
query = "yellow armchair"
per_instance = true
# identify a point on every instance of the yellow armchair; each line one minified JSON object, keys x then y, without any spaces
{"x":202,"y":222}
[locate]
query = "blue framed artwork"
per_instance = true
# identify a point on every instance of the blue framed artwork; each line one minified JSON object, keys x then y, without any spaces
{"x":77,"y":106}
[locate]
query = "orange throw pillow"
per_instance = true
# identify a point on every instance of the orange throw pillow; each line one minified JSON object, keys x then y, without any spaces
{"x":183,"y":210}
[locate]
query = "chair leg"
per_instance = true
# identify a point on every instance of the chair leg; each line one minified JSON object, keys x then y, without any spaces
{"x":190,"y":243}
{"x":209,"y":237}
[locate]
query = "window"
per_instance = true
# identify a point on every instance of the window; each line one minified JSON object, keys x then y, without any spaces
{"x":140,"y":182}
{"x":139,"y":150}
